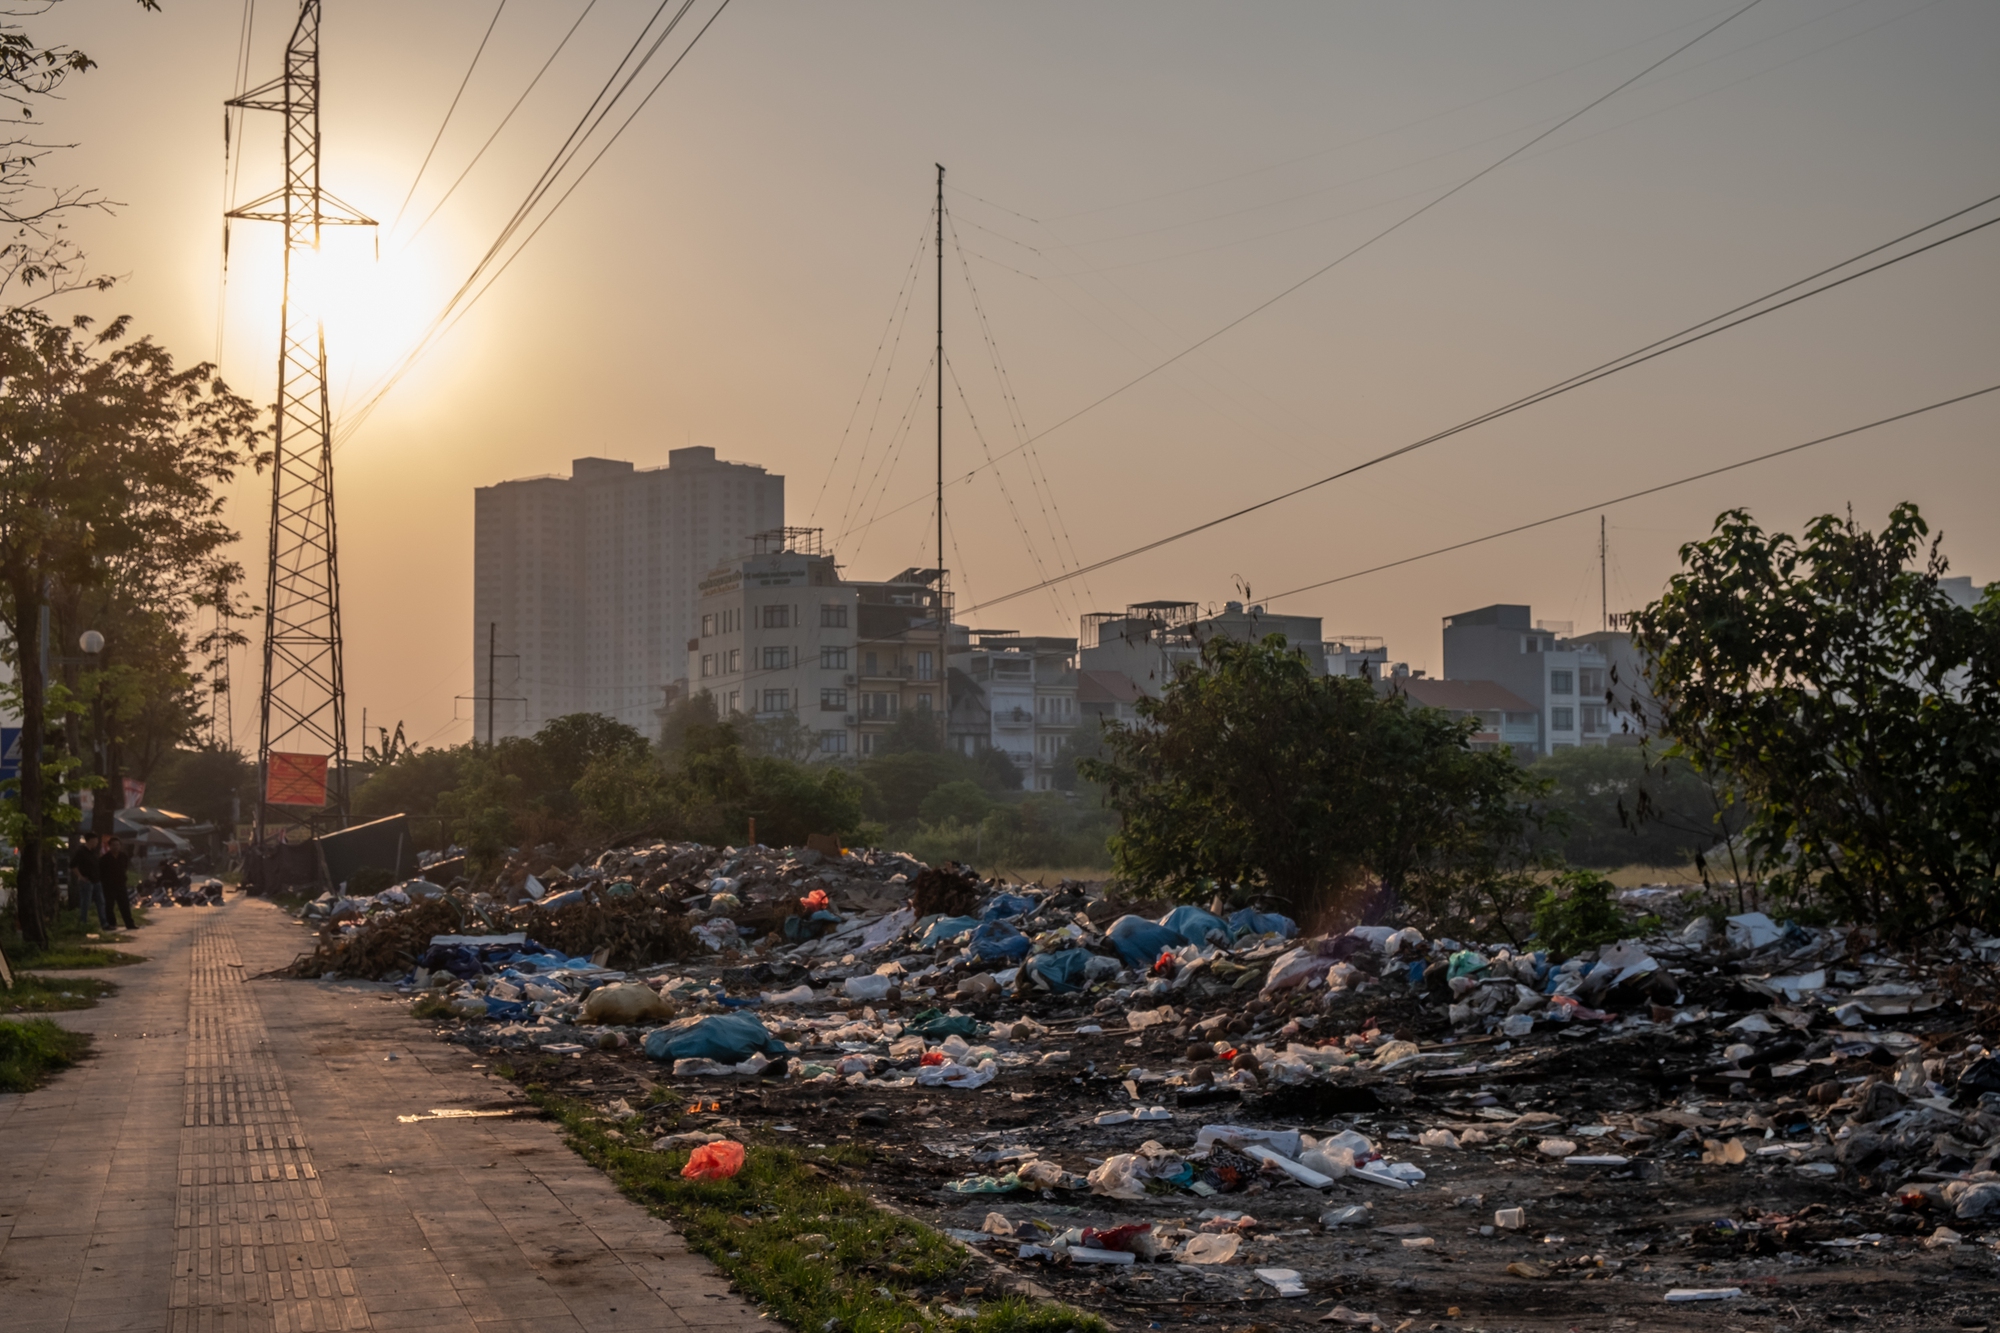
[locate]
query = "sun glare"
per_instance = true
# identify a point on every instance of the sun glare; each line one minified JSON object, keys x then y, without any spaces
{"x":372,"y":310}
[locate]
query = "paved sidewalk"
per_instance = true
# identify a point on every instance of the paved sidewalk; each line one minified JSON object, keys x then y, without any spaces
{"x":242,"y":1165}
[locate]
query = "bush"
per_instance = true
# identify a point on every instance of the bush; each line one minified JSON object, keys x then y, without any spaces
{"x":1576,"y":912}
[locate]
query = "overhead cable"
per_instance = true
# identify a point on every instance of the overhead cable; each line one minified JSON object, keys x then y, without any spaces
{"x":1694,"y":333}
{"x":1641,"y":494}
{"x":444,"y":124}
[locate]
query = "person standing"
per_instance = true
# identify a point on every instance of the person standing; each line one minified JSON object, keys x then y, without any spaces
{"x":114,"y":867}
{"x":85,"y":867}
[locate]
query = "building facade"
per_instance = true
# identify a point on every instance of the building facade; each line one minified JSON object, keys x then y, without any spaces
{"x":782,"y":638}
{"x":1564,"y":680}
{"x":1148,"y":641}
{"x":584,"y":587}
{"x":1502,"y":717}
{"x":1016,"y":694}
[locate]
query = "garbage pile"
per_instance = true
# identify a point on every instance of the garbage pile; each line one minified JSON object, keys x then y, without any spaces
{"x":1079,"y":1089}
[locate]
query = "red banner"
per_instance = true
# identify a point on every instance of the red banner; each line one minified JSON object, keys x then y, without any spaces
{"x":295,"y":779}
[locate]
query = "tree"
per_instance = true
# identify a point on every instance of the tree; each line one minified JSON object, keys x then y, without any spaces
{"x":1853,"y":703}
{"x":913,"y":732}
{"x":111,"y":466}
{"x":1253,"y":770}
{"x":37,"y":251}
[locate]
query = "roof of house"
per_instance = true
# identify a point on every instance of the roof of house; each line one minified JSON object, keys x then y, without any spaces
{"x":1463,"y":696}
{"x":1106,"y":687}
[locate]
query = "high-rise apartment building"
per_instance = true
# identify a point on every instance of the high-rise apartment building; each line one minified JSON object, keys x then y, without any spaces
{"x":587,"y":583}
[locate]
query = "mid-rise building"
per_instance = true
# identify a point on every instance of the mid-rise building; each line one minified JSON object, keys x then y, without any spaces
{"x":1148,"y":641}
{"x":782,"y":638}
{"x":1016,"y":694}
{"x":1502,"y":717}
{"x":1563,"y":680}
{"x":584,"y":587}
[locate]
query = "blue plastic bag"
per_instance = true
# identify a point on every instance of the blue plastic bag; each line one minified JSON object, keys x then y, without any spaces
{"x":1066,"y":972}
{"x":996,"y":940}
{"x":1250,"y":921}
{"x":947,"y":929}
{"x":1140,"y":942}
{"x":1193,"y":925}
{"x":1004,"y":905}
{"x":728,"y":1038}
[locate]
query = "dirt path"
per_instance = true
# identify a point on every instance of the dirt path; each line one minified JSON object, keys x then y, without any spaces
{"x":244,"y":1154}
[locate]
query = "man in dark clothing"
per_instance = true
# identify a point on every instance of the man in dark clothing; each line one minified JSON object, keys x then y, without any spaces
{"x":114,"y":865}
{"x":84,"y":867}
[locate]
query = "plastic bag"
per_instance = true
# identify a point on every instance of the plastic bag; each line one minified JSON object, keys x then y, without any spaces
{"x":1139,"y":941}
{"x":1250,"y":921}
{"x":625,"y":1003}
{"x":1064,"y":973}
{"x":996,"y":941}
{"x":1194,"y":925}
{"x":730,"y":1038}
{"x":1003,"y":905}
{"x":714,"y":1161}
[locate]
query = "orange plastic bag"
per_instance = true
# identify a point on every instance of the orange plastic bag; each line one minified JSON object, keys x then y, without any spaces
{"x":816,"y":901}
{"x":714,"y":1161}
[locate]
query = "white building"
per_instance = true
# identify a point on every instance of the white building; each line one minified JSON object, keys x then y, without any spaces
{"x":1016,"y":694}
{"x":1563,"y":680}
{"x":587,"y":583}
{"x":781,"y":636}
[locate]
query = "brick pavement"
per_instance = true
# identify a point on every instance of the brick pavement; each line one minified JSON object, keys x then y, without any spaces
{"x":233,"y":1158}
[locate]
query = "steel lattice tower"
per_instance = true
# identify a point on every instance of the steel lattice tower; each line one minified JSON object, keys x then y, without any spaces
{"x":303,"y":705}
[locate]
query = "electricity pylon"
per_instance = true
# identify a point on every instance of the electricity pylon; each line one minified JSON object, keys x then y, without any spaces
{"x":302,"y":709}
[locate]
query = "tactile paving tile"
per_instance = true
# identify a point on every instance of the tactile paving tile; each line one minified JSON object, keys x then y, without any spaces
{"x":256,"y":1247}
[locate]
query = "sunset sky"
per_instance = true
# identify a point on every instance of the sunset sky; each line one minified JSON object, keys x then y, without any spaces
{"x":1124,"y":179}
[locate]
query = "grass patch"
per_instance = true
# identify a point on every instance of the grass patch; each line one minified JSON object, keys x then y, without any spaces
{"x":40,"y":995}
{"x":817,"y":1254}
{"x":31,"y":1049}
{"x":69,"y":944}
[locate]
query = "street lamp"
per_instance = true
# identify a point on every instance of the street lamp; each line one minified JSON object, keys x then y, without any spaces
{"x":91,"y":642}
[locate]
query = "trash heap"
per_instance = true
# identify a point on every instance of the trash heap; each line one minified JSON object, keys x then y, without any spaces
{"x":1076,"y":1089}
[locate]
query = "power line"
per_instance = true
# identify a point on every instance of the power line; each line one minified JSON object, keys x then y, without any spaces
{"x":446,"y":196}
{"x":1674,"y":342}
{"x":446,"y":122}
{"x":1262,"y":306}
{"x":1641,"y":494}
{"x":594,"y":116}
{"x":898,"y":312}
{"x":1397,"y":225}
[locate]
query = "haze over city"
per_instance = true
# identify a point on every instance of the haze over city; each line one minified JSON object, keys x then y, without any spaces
{"x":1123,"y":180}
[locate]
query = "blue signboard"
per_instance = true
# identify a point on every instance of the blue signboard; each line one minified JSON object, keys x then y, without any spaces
{"x":10,"y":752}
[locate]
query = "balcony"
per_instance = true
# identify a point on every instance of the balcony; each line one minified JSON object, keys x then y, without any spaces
{"x":1013,"y":718}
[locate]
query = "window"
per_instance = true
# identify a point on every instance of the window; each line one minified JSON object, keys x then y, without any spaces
{"x":924,"y":702}
{"x":1562,"y":682}
{"x":867,"y":743}
{"x":776,"y":659}
{"x":708,"y":625}
{"x":833,"y":659}
{"x":1590,"y":680}
{"x":833,"y":742}
{"x":1594,"y":720}
{"x":735,"y":662}
{"x":734,"y":703}
{"x":832,"y":616}
{"x":833,"y":701}
{"x":868,"y":661}
{"x":707,"y":665}
{"x":777,"y":701}
{"x":1562,"y":719}
{"x":880,"y":705}
{"x":924,"y":668}
{"x":777,"y":617}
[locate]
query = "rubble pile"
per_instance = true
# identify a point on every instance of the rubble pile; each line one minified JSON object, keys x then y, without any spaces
{"x":1166,"y":1110}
